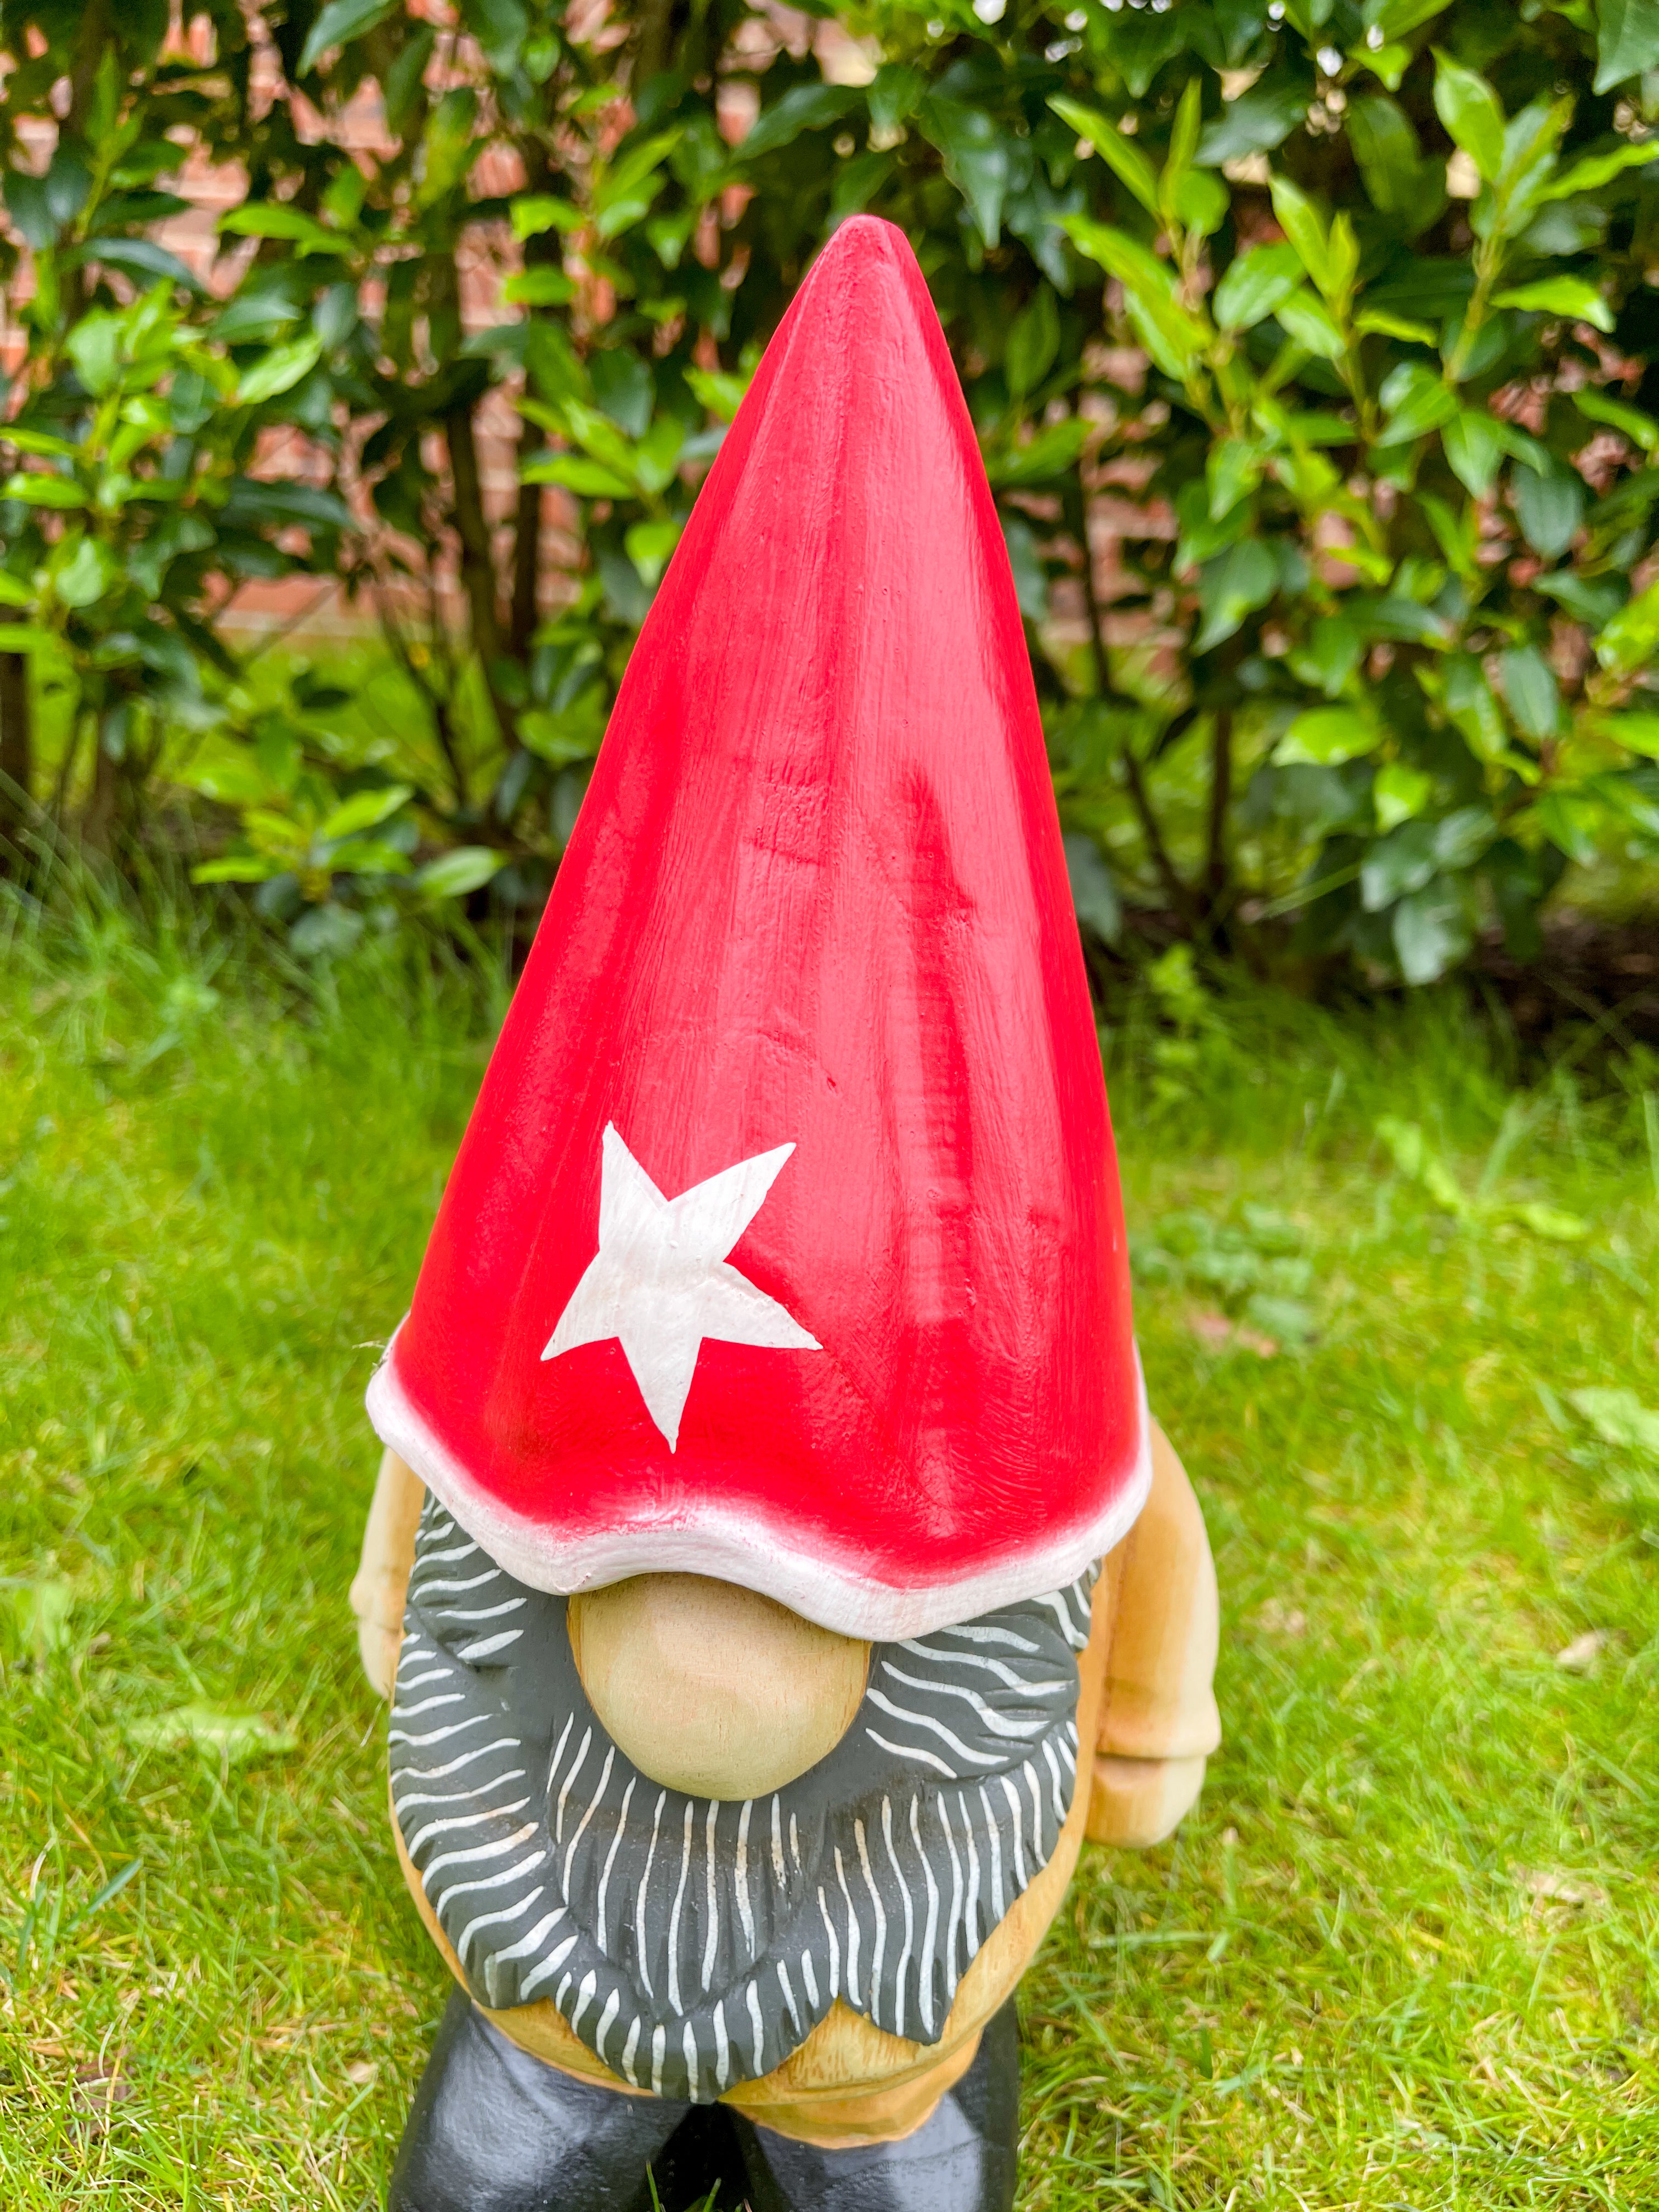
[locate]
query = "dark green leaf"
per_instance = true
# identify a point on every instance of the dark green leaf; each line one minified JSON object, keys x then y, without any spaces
{"x":1400,"y":792}
{"x":894,"y":95}
{"x":1202,"y":201}
{"x":1121,"y":153}
{"x":271,"y":503}
{"x":1400,"y":620}
{"x":804,"y":108}
{"x":1233,"y":471}
{"x":277,"y":220}
{"x":626,"y":190}
{"x":1641,"y":430}
{"x":1324,"y":736}
{"x":542,"y":211}
{"x":1256,"y":122}
{"x":1469,"y":107}
{"x":339,"y":20}
{"x":1591,"y":599}
{"x":1172,"y":332}
{"x":1431,"y":932}
{"x":30,"y":210}
{"x":1570,"y":822}
{"x":538,"y":286}
{"x":1310,"y":323}
{"x":1030,"y":577}
{"x":1637,"y":734}
{"x":1254,"y":285}
{"x":1529,"y":686}
{"x":368,"y":856}
{"x":364,"y":809}
{"x":1231,"y":586}
{"x":1402,"y":862}
{"x":140,"y":258}
{"x":1591,"y":171}
{"x":404,"y":79}
{"x":657,"y":455}
{"x":1631,"y":636}
{"x":1094,"y":892}
{"x":1627,"y":41}
{"x":325,"y":933}
{"x":977,"y":158}
{"x":1471,"y":708}
{"x":450,"y":145}
{"x":454,"y":874}
{"x":1303,"y":223}
{"x":500,"y":28}
{"x":278,"y":371}
{"x":1559,"y":296}
{"x":1399,"y":181}
{"x":1550,"y":508}
{"x":1417,"y":400}
{"x":623,"y":388}
{"x":722,"y":394}
{"x":589,"y":479}
{"x":1461,"y":837}
{"x":82,"y":579}
{"x":1140,"y":44}
{"x":1050,"y":454}
{"x":1033,"y":343}
{"x":1474,"y":446}
{"x":1429,"y":287}
{"x":36,"y":488}
{"x":857,"y":182}
{"x":1331,"y":654}
{"x":1393,"y":18}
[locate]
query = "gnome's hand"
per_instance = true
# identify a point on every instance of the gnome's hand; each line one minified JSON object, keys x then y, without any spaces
{"x":379,"y":1587}
{"x":1158,"y":1719}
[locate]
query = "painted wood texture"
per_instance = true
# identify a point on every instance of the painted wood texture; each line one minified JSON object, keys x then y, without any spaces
{"x":694,"y":1942}
{"x":1158,"y":1719}
{"x":817,"y":898}
{"x":380,"y":1585}
{"x":852,"y":2081}
{"x":714,"y":1690}
{"x":1144,"y":1683}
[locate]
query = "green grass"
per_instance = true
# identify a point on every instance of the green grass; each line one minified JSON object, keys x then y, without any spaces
{"x":1401,"y":1955}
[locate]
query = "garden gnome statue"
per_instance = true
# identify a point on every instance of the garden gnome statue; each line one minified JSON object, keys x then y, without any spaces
{"x":769,"y":1403}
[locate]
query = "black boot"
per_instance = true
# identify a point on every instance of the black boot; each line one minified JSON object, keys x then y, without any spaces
{"x":493,"y":2130}
{"x":962,"y":2160}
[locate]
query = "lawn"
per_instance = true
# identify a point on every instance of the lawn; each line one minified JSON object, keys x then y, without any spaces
{"x":1402,"y":1955}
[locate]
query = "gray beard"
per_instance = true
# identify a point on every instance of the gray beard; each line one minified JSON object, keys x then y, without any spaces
{"x":694,"y":1942}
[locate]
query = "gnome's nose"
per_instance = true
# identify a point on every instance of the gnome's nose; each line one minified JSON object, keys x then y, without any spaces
{"x":712,"y":1689}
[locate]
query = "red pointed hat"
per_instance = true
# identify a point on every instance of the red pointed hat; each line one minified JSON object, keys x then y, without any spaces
{"x":784,"y":1244}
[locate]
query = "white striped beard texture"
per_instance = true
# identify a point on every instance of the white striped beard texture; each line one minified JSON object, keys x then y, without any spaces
{"x":694,"y":1942}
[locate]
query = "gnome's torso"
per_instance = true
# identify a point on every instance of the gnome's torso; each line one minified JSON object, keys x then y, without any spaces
{"x":693,"y":1943}
{"x":527,"y":1861}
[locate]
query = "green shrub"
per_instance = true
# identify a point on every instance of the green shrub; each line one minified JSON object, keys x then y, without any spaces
{"x":1324,"y":325}
{"x":127,"y":503}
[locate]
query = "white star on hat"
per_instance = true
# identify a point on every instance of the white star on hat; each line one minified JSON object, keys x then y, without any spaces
{"x":659,"y":1283}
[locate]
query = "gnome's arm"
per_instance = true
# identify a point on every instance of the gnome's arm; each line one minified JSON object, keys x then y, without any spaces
{"x":1158,"y":1719}
{"x":379,"y":1587}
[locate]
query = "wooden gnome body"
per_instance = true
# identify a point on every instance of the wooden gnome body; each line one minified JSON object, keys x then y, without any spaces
{"x":769,"y":1403}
